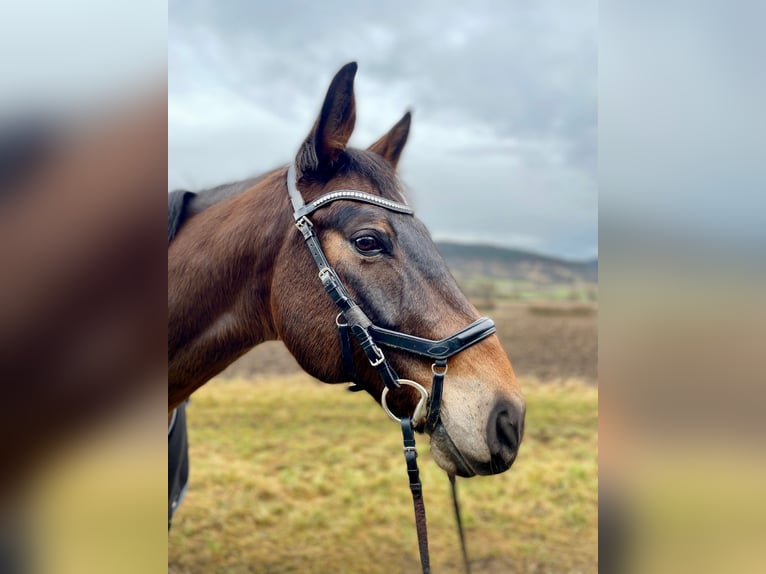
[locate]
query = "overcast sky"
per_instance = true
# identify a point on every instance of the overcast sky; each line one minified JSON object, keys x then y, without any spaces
{"x":503,"y":144}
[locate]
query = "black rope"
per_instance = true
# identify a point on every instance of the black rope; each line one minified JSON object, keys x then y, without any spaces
{"x":411,"y":457}
{"x":459,"y":521}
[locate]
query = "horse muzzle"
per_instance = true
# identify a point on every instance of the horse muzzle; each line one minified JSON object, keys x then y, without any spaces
{"x":504,"y":432}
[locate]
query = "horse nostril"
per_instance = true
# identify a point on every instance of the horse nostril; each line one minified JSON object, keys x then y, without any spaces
{"x":504,"y":432}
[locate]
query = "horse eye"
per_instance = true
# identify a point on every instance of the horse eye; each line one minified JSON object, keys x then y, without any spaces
{"x":367,"y":245}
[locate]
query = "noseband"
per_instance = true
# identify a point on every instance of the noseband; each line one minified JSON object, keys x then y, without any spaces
{"x":353,"y":320}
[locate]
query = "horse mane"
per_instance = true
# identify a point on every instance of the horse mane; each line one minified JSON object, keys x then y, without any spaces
{"x":215,"y":195}
{"x":374,"y":168}
{"x":182,"y":204}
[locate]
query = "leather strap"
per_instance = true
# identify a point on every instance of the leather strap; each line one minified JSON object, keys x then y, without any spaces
{"x":353,"y":195}
{"x":346,"y":351}
{"x":459,"y":520}
{"x":356,"y":320}
{"x":416,"y":488}
{"x":439,"y":369}
{"x":444,"y":349}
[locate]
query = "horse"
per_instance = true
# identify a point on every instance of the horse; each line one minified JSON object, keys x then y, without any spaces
{"x":239,"y":275}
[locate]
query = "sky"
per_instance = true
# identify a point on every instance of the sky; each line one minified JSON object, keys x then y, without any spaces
{"x":79,"y":56}
{"x":503,"y":146}
{"x":682,"y":87}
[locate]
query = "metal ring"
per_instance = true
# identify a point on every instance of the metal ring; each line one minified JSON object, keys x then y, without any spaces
{"x":433,"y":370}
{"x":337,"y":320}
{"x":420,"y":410}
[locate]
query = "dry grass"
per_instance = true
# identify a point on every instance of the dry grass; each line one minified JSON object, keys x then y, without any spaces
{"x":289,"y":475}
{"x":563,"y":310}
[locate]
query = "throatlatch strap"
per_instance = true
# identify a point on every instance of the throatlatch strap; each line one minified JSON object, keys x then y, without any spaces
{"x":411,"y":457}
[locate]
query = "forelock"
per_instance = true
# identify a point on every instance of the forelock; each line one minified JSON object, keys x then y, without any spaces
{"x":373,"y":167}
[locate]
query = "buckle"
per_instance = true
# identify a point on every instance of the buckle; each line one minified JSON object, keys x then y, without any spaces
{"x":304,"y":225}
{"x":325,"y":272}
{"x":380,"y":355}
{"x":337,"y":320}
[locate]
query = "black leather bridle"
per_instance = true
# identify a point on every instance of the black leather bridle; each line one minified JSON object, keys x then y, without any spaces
{"x":352,"y":320}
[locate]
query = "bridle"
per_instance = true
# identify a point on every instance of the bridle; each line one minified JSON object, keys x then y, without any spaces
{"x":351,"y":319}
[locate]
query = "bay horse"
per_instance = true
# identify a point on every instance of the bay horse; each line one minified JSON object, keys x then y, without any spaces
{"x":239,"y":274}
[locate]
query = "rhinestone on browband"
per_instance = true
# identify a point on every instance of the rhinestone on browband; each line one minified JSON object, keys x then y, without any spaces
{"x":361,"y":196}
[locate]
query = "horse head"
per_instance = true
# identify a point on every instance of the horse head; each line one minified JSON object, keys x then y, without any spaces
{"x":390,"y":267}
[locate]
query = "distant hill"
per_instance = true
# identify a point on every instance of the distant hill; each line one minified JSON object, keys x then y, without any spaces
{"x":473,"y":260}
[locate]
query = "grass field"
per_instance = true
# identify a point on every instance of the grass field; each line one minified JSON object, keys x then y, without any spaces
{"x":289,"y":475}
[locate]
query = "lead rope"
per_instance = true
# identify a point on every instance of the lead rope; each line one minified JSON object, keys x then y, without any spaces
{"x":411,"y":457}
{"x":459,"y":521}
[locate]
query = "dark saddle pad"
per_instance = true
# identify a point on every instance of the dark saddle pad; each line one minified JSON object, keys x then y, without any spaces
{"x":178,"y":202}
{"x":178,"y":446}
{"x":178,"y":461}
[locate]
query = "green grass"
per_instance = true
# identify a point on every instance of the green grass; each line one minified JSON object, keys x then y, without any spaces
{"x":477,"y":287}
{"x":289,"y":475}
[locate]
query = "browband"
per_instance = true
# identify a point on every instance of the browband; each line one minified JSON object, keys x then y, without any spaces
{"x":301,"y":209}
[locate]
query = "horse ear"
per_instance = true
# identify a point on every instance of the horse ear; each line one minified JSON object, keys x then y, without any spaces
{"x":390,"y":146}
{"x":332,"y":129}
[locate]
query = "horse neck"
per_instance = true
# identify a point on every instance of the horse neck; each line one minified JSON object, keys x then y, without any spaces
{"x":220,"y":269}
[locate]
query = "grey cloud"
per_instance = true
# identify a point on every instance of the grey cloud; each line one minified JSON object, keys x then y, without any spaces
{"x":506,"y":92}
